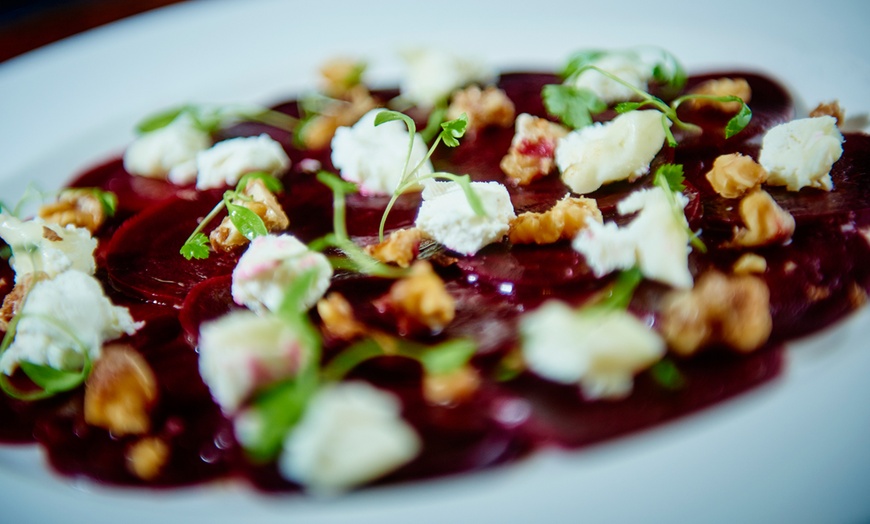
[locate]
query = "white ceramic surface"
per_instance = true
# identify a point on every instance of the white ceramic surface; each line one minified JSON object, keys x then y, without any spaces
{"x":795,"y":450}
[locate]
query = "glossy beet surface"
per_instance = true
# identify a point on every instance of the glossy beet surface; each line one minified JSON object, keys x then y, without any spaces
{"x":814,"y":281}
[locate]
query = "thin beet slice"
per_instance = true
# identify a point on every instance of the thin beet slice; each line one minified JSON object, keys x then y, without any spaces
{"x":143,"y":259}
{"x":207,"y":300}
{"x":135,"y":193}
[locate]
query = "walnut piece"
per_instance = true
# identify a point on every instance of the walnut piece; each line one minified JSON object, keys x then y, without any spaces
{"x":732,"y":310}
{"x":830,"y":109}
{"x":340,"y":75}
{"x":80,"y":208}
{"x":561,"y":222}
{"x":421,"y":296}
{"x":120,"y":392}
{"x":15,"y":299}
{"x":338,"y":319}
{"x":226,"y":236}
{"x":721,"y":87}
{"x":749,"y":263}
{"x":766,"y":223}
{"x":533,"y":149}
{"x":317,"y":133}
{"x":146,"y":457}
{"x":734,"y":174}
{"x":401,"y":247}
{"x":451,"y":388}
{"x":485,"y":108}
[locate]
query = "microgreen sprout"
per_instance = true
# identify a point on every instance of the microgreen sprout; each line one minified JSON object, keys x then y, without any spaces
{"x":669,"y":177}
{"x":210,"y":119}
{"x":451,"y":132}
{"x":666,"y":374}
{"x":246,"y":221}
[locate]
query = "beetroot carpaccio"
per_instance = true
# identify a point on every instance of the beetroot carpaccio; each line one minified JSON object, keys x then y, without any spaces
{"x":390,"y":362}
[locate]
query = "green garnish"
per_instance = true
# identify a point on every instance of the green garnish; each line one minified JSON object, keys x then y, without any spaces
{"x":574,"y":106}
{"x":618,"y":295}
{"x":666,"y":69}
{"x":108,"y":200}
{"x":32,"y":193}
{"x":667,"y":375}
{"x":210,"y":119}
{"x":246,"y":221}
{"x":670,"y":178}
{"x":433,"y":124}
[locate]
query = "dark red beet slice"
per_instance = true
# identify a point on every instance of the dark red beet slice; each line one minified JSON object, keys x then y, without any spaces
{"x":207,"y":300}
{"x":135,"y":193}
{"x":143,"y":258}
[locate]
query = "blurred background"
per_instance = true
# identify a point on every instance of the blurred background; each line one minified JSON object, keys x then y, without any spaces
{"x":29,"y":24}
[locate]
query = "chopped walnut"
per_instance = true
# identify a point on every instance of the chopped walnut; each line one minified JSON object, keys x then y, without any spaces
{"x":338,"y":319}
{"x":340,"y":75}
{"x":735,"y":174}
{"x":766,"y":222}
{"x":533,"y":149}
{"x":732,"y":310}
{"x":317,"y":132}
{"x":146,"y":457}
{"x":451,"y":388}
{"x":857,"y":296}
{"x":120,"y":392}
{"x":485,"y":108}
{"x":50,"y":235}
{"x":15,"y":299}
{"x":561,"y":222}
{"x":400,"y":248}
{"x":422,"y":297}
{"x":722,"y":87}
{"x":226,"y":236}
{"x":830,"y":109}
{"x":75,"y":207}
{"x":749,"y":263}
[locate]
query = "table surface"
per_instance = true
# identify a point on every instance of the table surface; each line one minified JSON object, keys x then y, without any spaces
{"x":27,"y":25}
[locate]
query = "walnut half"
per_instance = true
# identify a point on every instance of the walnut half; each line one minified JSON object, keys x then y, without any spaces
{"x":738,"y":87}
{"x":226,"y":236}
{"x":734,"y":174}
{"x":484,"y":108}
{"x":422,"y":297}
{"x":120,"y":392}
{"x":765,"y":222}
{"x":401,"y":247}
{"x":76,"y":207}
{"x":561,"y":222}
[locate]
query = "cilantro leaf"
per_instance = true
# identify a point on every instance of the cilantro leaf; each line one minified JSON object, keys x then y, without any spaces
{"x":670,"y":176}
{"x":579,"y":60}
{"x":453,"y":130}
{"x":574,"y":106}
{"x":196,"y":247}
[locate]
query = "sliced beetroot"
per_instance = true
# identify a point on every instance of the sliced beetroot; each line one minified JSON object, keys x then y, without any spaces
{"x":143,"y":258}
{"x":135,"y":193}
{"x":207,"y":301}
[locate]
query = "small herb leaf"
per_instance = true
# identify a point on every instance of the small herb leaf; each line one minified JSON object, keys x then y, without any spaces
{"x":667,"y":375}
{"x":388,"y":116}
{"x":452,"y":130}
{"x":739,"y":122}
{"x":246,"y":221}
{"x":574,"y":106}
{"x":195,"y":247}
{"x":447,"y":356}
{"x":53,"y":381}
{"x":272,"y":184}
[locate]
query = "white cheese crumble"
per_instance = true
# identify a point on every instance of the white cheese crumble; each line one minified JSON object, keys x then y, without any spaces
{"x":167,"y":151}
{"x":626,"y":65}
{"x":227,"y":161}
{"x":33,"y":252}
{"x":601,"y":351}
{"x":433,"y":74}
{"x":373,"y":156}
{"x":800,"y":153}
{"x":656,"y":240}
{"x":61,"y":319}
{"x":242,"y":352}
{"x":351,"y":433}
{"x":270,"y":264}
{"x":446,"y":216}
{"x":606,"y":152}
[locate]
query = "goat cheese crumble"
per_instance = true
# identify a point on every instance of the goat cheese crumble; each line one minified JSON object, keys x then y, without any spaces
{"x":446,"y":216}
{"x":433,"y":74}
{"x":39,"y":246}
{"x":599,"y":350}
{"x":620,"y":149}
{"x":62,"y":318}
{"x":656,"y":241}
{"x":167,"y":152}
{"x":226,"y":162}
{"x":373,"y":156}
{"x":270,"y":264}
{"x":242,"y":352}
{"x":800,"y":153}
{"x":351,"y":433}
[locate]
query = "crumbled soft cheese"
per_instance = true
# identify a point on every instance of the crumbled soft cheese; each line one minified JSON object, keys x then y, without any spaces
{"x":270,"y":264}
{"x":446,"y":216}
{"x":432,"y":74}
{"x":656,"y":240}
{"x":32,"y":251}
{"x":351,"y":433}
{"x":242,"y":352}
{"x":158,"y":153}
{"x":606,"y":152}
{"x":227,"y":161}
{"x":63,"y":317}
{"x":373,"y":156}
{"x":800,"y":153}
{"x":627,"y":65}
{"x":602,"y":351}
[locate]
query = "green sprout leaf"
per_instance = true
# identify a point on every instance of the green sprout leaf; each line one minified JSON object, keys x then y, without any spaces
{"x":196,"y":247}
{"x":53,"y":381}
{"x":210,"y":119}
{"x":270,"y":181}
{"x":351,"y":357}
{"x":249,"y":224}
{"x":452,"y":130}
{"x":670,"y":178}
{"x":160,"y":120}
{"x":739,"y":122}
{"x":579,"y":60}
{"x":433,"y":124}
{"x":618,"y":295}
{"x":574,"y":106}
{"x":276,"y":411}
{"x":448,"y":356}
{"x":390,"y":116}
{"x":667,"y":375}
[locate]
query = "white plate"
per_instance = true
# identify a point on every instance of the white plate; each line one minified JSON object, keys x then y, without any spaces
{"x":795,"y":450}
